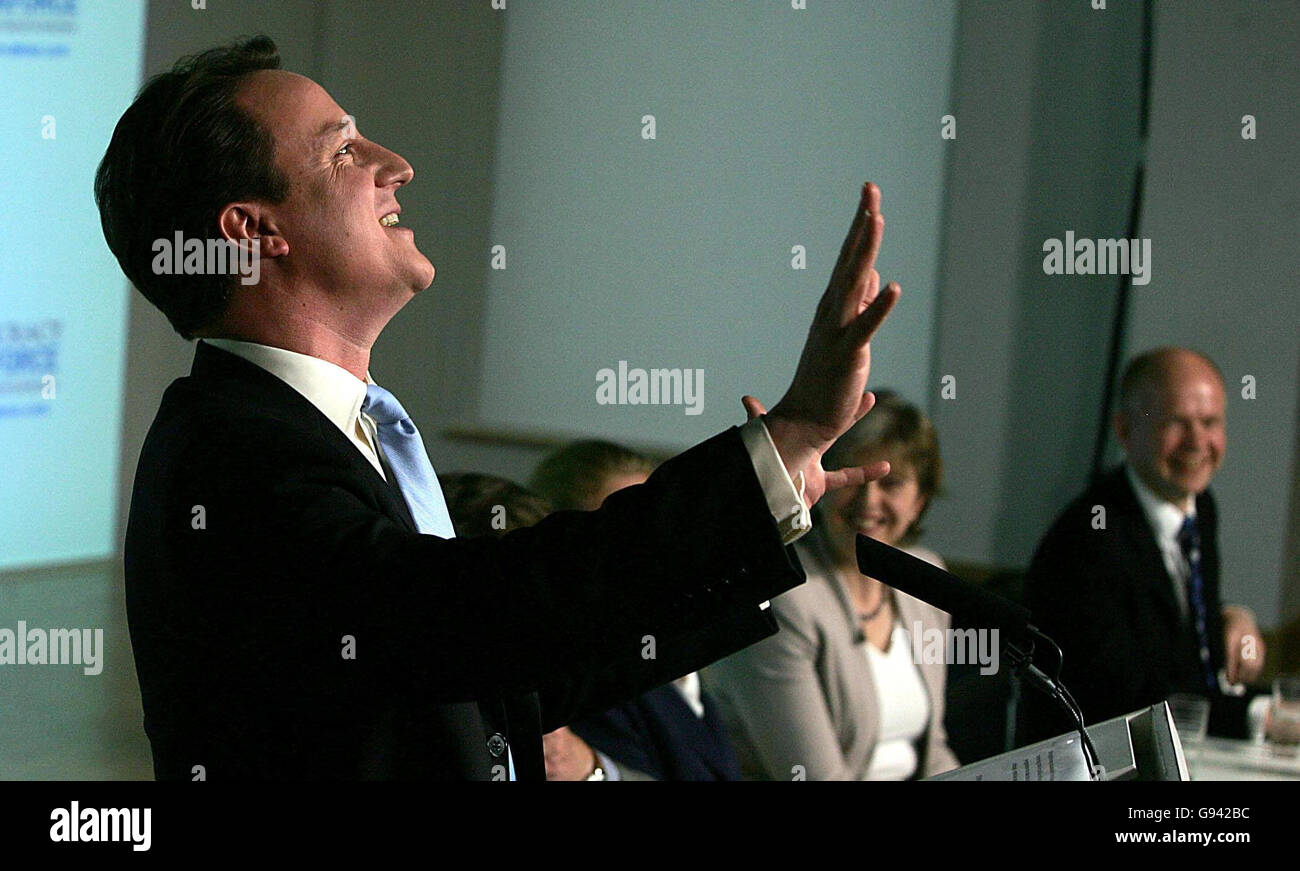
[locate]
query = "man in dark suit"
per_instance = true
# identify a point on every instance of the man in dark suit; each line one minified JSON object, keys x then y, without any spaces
{"x":298,"y":606}
{"x":1126,"y":581}
{"x":672,"y":732}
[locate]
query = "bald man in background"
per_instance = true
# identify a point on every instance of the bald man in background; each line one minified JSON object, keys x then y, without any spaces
{"x":1126,"y":581}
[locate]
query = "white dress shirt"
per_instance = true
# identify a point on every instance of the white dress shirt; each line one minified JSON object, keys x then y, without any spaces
{"x":1165,"y":520}
{"x":689,"y":688}
{"x":335,"y":391}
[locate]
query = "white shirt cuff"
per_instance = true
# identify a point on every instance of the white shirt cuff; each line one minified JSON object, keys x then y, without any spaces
{"x":609,"y":766}
{"x":784,"y":496}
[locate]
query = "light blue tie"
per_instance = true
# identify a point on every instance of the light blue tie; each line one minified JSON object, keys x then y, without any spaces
{"x":404,"y":450}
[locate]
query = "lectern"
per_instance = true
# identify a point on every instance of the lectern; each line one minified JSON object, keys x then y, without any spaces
{"x":1142,"y":745}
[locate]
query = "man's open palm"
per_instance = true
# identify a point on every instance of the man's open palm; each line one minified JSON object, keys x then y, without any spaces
{"x":827,"y":395}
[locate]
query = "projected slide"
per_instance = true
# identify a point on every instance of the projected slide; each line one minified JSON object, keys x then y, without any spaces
{"x":67,"y":69}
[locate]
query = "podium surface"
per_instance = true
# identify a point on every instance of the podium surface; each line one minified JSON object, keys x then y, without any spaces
{"x":1143,"y":745}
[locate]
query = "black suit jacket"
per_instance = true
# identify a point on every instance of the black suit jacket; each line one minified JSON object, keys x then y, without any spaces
{"x":658,"y":734}
{"x":1105,"y":596}
{"x":262,"y":548}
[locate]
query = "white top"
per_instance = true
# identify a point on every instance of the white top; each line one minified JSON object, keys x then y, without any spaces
{"x":1165,"y":520}
{"x":904,"y":719}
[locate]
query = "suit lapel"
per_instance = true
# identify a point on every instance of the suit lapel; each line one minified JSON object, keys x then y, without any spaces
{"x":524,"y":728}
{"x":1147,"y":565}
{"x":270,"y":392}
{"x":856,"y":681}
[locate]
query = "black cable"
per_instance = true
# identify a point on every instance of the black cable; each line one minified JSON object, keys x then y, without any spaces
{"x":1049,"y":683}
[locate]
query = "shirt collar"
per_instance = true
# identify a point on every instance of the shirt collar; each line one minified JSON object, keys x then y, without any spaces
{"x":691,"y":692}
{"x":335,"y":391}
{"x":1165,"y":518}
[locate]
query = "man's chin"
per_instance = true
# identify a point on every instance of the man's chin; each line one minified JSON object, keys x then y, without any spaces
{"x":422,"y":277}
{"x":1186,"y":487}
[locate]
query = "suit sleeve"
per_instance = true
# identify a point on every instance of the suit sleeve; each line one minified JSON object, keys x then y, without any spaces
{"x":565,"y":603}
{"x":621,"y":734}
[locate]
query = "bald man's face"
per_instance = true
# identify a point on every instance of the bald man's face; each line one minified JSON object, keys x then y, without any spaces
{"x":1173,"y":435}
{"x":340,"y":187}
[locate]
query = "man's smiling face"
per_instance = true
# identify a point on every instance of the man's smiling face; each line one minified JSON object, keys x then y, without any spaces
{"x":1173,"y":429}
{"x":340,"y":187}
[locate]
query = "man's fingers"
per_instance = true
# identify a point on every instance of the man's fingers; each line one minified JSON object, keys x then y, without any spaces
{"x":853,"y":238}
{"x":855,"y":287}
{"x":876,"y":228}
{"x":753,"y":408}
{"x":873,"y":291}
{"x":856,"y":476}
{"x":867,"y":403}
{"x":863,"y":255}
{"x":864,"y":235}
{"x":870,"y":320}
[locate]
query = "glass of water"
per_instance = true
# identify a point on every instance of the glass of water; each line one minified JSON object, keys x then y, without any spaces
{"x":1191,"y":717}
{"x":1282,"y":728}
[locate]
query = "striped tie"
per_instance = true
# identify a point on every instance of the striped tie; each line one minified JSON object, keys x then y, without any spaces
{"x":1189,"y":539}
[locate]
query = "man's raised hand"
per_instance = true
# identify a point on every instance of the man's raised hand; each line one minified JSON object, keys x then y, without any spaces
{"x":827,"y":394}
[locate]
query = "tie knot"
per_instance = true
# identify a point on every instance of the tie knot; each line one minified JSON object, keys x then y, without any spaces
{"x":383,"y":406}
{"x":1188,"y":535}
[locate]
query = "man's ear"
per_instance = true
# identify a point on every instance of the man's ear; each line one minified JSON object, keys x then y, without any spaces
{"x":239,"y":221}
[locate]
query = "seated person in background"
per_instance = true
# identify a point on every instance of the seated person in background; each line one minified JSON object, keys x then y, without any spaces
{"x":1126,"y":581}
{"x":836,"y":694}
{"x":672,"y":732}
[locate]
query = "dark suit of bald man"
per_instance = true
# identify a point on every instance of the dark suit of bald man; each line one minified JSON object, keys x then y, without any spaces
{"x":1106,"y":597}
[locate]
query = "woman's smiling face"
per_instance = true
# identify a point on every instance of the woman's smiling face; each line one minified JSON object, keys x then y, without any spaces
{"x":884,"y":510}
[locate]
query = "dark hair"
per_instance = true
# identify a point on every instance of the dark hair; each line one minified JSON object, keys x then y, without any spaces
{"x":182,"y":152}
{"x":1149,"y":367}
{"x":488,"y":505}
{"x":895,"y":426}
{"x":571,"y":476}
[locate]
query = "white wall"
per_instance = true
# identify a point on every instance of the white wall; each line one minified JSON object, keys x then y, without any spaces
{"x":676,"y":252}
{"x":1045,"y":94}
{"x":1046,"y":105}
{"x":1222,"y":213}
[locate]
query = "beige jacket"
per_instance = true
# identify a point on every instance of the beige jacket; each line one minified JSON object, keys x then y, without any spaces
{"x":803,"y":702}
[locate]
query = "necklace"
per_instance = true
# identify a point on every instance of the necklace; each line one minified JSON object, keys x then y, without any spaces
{"x":868,"y":616}
{"x":886,"y":596}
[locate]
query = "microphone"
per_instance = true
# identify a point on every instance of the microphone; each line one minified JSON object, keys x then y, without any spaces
{"x":977,"y":608}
